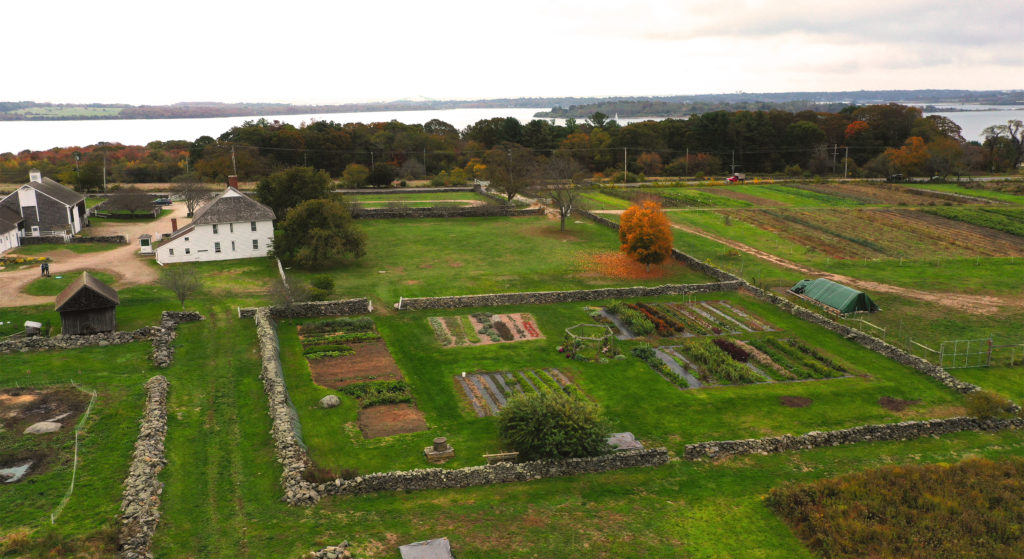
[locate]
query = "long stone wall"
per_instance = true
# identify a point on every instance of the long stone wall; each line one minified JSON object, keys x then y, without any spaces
{"x":505,"y":472}
{"x":548,"y":297}
{"x":863,"y":433}
{"x":374,"y":191}
{"x":163,"y":338}
{"x":312,"y":309}
{"x":474,"y":211}
{"x":284,"y":422}
{"x":140,"y":504}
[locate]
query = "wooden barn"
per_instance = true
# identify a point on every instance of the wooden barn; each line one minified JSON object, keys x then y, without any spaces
{"x":87,"y":306}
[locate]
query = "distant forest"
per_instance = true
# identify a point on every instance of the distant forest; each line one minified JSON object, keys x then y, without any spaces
{"x":578,"y":107}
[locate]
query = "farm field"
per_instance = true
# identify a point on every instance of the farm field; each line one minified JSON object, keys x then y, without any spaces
{"x":433,"y":257}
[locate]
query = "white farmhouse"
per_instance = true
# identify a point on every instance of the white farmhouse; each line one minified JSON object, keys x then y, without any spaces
{"x":230,"y":226}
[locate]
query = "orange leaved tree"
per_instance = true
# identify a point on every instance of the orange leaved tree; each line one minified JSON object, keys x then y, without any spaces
{"x":645,"y":234}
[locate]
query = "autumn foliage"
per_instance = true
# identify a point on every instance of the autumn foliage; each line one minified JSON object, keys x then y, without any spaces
{"x":646,"y":234}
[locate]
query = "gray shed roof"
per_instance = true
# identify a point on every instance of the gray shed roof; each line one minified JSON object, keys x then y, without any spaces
{"x":57,"y":191}
{"x":231,"y":206}
{"x":86,"y":282}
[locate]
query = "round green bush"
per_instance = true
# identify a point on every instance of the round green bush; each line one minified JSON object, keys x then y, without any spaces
{"x":984,"y":404}
{"x":551,"y":425}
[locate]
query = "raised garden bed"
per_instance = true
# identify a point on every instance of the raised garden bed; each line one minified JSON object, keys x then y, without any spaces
{"x":488,"y":392}
{"x":484,"y":328}
{"x":390,"y":419}
{"x":698,"y":318}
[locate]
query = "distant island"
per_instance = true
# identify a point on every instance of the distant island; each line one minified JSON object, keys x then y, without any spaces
{"x":577,"y":107}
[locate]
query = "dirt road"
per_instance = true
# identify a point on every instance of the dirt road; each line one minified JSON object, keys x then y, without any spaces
{"x":123,"y":262}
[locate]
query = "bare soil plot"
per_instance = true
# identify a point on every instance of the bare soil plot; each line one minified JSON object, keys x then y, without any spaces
{"x":875,"y":194}
{"x":23,"y":407}
{"x":390,"y":419}
{"x":371,"y":361}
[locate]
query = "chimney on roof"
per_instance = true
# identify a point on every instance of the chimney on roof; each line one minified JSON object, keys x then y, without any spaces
{"x":174,"y":224}
{"x":35,"y":176}
{"x":233,"y":181}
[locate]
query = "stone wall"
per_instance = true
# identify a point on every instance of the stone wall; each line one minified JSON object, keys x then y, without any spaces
{"x":548,"y":297}
{"x":312,"y":309}
{"x":492,"y":195}
{"x":111,"y":239}
{"x":863,"y":433}
{"x":284,"y":422}
{"x":473,"y":211}
{"x":163,"y":350}
{"x":505,"y":472}
{"x":140,"y":504}
{"x":357,"y":191}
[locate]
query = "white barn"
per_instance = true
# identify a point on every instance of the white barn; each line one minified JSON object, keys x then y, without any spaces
{"x":47,"y":208}
{"x":230,"y":226}
{"x":9,"y":226}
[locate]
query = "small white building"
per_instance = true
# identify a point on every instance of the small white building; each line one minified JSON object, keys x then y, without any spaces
{"x":229,"y":226}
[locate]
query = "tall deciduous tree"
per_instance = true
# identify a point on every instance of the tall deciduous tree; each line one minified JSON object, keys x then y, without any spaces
{"x":646,"y":234}
{"x":317,"y":234}
{"x":289,"y":188}
{"x":563,"y":184}
{"x":510,"y":169}
{"x":191,"y":191}
{"x":183,"y":280}
{"x":131,"y":200}
{"x":1013,"y":132}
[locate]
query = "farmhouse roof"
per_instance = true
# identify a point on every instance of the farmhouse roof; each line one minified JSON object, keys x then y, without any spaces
{"x":231,"y":206}
{"x":836,"y":295}
{"x":57,"y":191}
{"x":86,"y":293}
{"x":9,"y":219}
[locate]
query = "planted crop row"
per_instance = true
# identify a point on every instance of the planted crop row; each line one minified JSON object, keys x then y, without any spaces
{"x":379,"y":393}
{"x":742,"y":316}
{"x":646,"y":353}
{"x":454,"y":326}
{"x":328,"y":348}
{"x":327,"y":339}
{"x":634,"y":319}
{"x":440,"y":333}
{"x":343,"y":324}
{"x":792,"y":359}
{"x":1006,"y":220}
{"x":718,"y":363}
{"x":666,"y":325}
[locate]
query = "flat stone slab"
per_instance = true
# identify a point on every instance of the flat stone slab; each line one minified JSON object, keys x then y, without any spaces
{"x":428,"y":549}
{"x":624,"y":441}
{"x":43,"y":427}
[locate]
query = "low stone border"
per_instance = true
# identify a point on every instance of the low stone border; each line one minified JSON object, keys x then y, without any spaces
{"x":161,"y":336}
{"x":504,"y":472}
{"x":548,"y":297}
{"x":341,"y":307}
{"x":474,"y":211}
{"x":339,"y":551}
{"x":291,"y":453}
{"x":863,"y":433}
{"x":141,"y":499}
{"x":407,"y":190}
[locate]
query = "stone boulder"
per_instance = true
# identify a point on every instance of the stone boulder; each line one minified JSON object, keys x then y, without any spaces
{"x":329,"y":401}
{"x":42,"y":427}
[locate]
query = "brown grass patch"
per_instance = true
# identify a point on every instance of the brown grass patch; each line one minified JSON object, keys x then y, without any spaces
{"x":455,"y":264}
{"x":795,"y":401}
{"x":620,"y":266}
{"x":896,"y":404}
{"x":411,"y":282}
{"x":372,"y":361}
{"x":391,"y":419}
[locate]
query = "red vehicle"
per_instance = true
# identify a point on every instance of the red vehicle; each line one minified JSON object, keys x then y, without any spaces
{"x":737,"y":177}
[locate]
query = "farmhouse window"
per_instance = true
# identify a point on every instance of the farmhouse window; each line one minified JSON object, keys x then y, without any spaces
{"x":170,"y":252}
{"x":214,"y":228}
{"x":188,"y":251}
{"x":252,"y":224}
{"x":186,"y":239}
{"x":231,"y":228}
{"x":255,"y":244}
{"x":232,"y":246}
{"x":216,"y":246}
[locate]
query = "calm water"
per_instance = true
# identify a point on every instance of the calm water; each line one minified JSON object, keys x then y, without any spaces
{"x":16,"y":136}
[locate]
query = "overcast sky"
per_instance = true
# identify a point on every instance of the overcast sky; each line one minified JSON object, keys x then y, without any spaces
{"x":303,"y":51}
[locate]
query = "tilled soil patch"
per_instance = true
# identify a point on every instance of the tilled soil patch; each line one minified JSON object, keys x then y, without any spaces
{"x":371,"y":361}
{"x":896,"y":404}
{"x":795,"y":401}
{"x":390,"y":419}
{"x":21,"y":407}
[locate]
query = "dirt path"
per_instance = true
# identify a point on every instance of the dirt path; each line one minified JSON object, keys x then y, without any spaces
{"x":124,"y":262}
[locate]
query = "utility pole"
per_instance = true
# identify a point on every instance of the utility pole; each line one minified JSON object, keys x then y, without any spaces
{"x":625,"y":165}
{"x":425,"y":162}
{"x":234,"y":166}
{"x":846,"y":162}
{"x":733,"y":165}
{"x":835,"y":152}
{"x":186,"y":163}
{"x":687,"y":161}
{"x":104,"y":171}
{"x":371,"y":160}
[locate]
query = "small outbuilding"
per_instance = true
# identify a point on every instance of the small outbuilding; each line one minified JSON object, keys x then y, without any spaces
{"x":834,"y":296}
{"x":87,"y":306}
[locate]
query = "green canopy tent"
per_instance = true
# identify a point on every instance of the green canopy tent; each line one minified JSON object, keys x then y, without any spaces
{"x":834,"y":295}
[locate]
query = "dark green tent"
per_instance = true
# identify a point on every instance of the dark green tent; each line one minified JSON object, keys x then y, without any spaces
{"x":835,"y":295}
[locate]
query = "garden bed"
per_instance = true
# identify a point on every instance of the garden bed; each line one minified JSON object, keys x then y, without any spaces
{"x":697,"y":318}
{"x":390,"y":419}
{"x":488,"y":392}
{"x":345,"y":351}
{"x":484,"y":328}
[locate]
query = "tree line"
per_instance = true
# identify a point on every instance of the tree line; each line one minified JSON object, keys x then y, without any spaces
{"x":872,"y":140}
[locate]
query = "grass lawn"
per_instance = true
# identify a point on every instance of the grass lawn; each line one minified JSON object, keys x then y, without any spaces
{"x":54,"y":285}
{"x":403,"y":204}
{"x":79,"y":248}
{"x":634,"y":396}
{"x":432,"y":257}
{"x":1008,"y":197}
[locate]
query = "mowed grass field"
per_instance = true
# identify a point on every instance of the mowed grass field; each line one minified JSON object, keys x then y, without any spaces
{"x":434,"y":257}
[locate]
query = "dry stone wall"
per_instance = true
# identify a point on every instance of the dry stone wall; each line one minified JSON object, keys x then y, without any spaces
{"x":863,"y":433}
{"x":375,"y":191}
{"x":284,"y":422}
{"x":312,"y":309}
{"x":548,"y":297}
{"x":140,"y":504}
{"x":504,"y":472}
